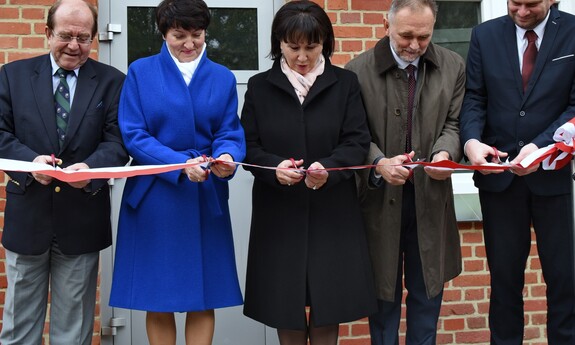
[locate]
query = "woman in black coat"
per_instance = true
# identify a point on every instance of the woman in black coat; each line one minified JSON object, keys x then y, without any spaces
{"x":307,"y":242}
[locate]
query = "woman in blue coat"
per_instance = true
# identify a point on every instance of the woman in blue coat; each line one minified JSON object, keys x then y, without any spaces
{"x":174,"y":246}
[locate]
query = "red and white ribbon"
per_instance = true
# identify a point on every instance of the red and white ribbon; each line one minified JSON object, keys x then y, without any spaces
{"x":557,"y":155}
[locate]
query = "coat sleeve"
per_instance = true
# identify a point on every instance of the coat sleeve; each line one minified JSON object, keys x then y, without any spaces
{"x":141,"y":144}
{"x":449,"y":137}
{"x":474,"y":109}
{"x":354,"y":139}
{"x":229,"y":136}
{"x":255,"y":153}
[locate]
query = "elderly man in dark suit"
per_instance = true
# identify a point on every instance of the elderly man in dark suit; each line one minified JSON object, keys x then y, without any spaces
{"x":520,"y":88}
{"x":59,"y":108}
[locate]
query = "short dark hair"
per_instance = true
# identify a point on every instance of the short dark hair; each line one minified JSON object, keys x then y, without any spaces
{"x":51,"y":23}
{"x":397,"y":5}
{"x":185,"y":14}
{"x":301,"y":20}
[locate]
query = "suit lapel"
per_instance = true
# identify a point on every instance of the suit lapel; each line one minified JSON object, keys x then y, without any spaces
{"x":43,"y":96}
{"x":551,"y":30}
{"x":85,"y":89}
{"x":510,"y":37}
{"x":325,"y":80}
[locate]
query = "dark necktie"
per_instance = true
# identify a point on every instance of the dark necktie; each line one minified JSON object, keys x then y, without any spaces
{"x":529,"y":57}
{"x":410,"y":96}
{"x":62,"y":104}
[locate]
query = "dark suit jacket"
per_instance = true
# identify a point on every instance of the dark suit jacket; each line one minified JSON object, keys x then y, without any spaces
{"x":79,"y":218}
{"x":498,"y":113}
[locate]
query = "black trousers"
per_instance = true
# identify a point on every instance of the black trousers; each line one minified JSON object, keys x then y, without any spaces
{"x":507,"y":220}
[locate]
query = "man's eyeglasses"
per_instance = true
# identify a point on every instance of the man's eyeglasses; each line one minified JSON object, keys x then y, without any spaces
{"x":66,"y":38}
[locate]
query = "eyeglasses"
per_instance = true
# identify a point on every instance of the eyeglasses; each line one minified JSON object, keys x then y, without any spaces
{"x":66,"y":38}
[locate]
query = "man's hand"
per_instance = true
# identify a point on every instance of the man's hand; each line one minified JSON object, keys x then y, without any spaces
{"x":480,"y":154}
{"x":439,"y":173}
{"x":392,"y":171}
{"x":75,"y":167}
{"x":525,"y":151}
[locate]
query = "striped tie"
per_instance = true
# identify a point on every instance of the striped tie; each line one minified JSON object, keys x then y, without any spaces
{"x":62,"y":104}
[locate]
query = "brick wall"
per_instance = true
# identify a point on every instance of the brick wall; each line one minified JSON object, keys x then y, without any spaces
{"x":357,"y":25}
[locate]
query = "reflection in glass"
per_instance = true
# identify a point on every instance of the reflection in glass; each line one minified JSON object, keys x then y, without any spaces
{"x":231,"y":38}
{"x":455,"y":19}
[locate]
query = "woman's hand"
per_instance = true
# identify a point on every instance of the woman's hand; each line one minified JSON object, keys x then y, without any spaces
{"x":196,"y":173}
{"x":287,"y":176}
{"x":316,"y":176}
{"x":222,"y":169}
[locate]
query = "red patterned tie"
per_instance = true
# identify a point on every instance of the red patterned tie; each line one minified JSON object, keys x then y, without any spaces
{"x":529,"y":57}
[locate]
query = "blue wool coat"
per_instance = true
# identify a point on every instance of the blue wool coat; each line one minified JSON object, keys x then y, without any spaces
{"x":174,"y":245}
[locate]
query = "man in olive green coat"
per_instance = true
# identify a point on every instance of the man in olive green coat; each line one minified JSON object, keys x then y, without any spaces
{"x":409,"y":213}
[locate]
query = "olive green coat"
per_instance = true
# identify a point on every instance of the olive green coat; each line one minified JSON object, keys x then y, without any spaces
{"x":439,"y":94}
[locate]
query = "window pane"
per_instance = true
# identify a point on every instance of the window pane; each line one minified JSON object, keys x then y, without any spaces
{"x":455,"y":19}
{"x":231,"y":38}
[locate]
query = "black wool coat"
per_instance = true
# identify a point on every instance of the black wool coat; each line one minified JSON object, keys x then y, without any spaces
{"x":306,"y":247}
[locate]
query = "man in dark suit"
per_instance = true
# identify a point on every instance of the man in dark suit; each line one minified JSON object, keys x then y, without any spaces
{"x":53,"y":231}
{"x":520,"y":88}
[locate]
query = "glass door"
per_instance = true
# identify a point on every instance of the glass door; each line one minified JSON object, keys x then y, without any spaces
{"x":238,"y":37}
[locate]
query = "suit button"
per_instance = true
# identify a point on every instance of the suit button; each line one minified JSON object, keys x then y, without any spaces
{"x":397,"y":112}
{"x":57,"y":189}
{"x":392,"y":201}
{"x":522,"y":113}
{"x":521,"y":143}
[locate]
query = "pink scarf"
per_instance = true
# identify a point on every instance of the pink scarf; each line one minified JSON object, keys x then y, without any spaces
{"x":302,"y":83}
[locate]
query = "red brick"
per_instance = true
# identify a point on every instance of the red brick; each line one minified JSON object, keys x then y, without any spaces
{"x":370,"y":44}
{"x":450,"y":295}
{"x":474,"y":265}
{"x":9,"y":42}
{"x":472,"y":237}
{"x":355,"y":341}
{"x":350,"y":17}
{"x":539,"y":319}
{"x":32,"y":2}
{"x":472,"y":337}
{"x":373,"y":18}
{"x":380,"y":31}
{"x":359,"y":329}
{"x":340,"y":59}
{"x":351,"y":46}
{"x":40,"y":28}
{"x":13,"y":56}
{"x":454,"y":324}
{"x":9,"y":13}
{"x":353,"y":32}
{"x":344,"y":329}
{"x":337,"y":5}
{"x":34,"y":13}
{"x":477,"y":322}
{"x":475,"y":294}
{"x":531,"y":333}
{"x":457,"y":309}
{"x":370,"y":5}
{"x":333,"y":18}
{"x":34,"y":43}
{"x":534,"y":263}
{"x":480,"y":252}
{"x":443,"y":338}
{"x":472,"y":280}
{"x":535,"y":305}
{"x":13,"y":28}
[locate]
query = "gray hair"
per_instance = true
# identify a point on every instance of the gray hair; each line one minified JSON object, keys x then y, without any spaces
{"x":397,"y":5}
